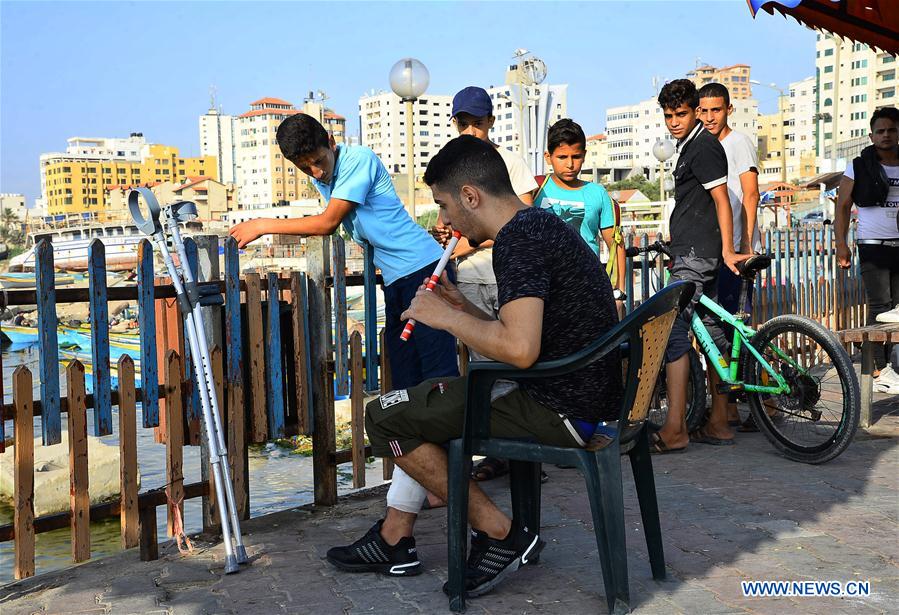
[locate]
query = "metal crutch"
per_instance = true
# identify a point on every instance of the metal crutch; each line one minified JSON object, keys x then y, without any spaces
{"x":190,"y":307}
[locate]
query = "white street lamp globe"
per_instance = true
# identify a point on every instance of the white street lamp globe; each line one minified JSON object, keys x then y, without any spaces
{"x":409,"y":78}
{"x":663,"y":149}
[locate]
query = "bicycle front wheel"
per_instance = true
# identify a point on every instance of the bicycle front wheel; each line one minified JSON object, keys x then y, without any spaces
{"x":817,"y":419}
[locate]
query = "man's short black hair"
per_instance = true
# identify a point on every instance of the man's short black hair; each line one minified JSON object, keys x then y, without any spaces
{"x":889,"y":113}
{"x":678,"y":92}
{"x":714,"y":90}
{"x":301,"y":135}
{"x":469,"y":160}
{"x":567,"y":132}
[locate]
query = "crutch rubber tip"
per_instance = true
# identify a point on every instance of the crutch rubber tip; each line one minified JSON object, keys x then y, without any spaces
{"x":231,"y":565}
{"x":242,"y":555}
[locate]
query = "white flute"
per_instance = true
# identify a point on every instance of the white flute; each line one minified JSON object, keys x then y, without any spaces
{"x":432,"y":282}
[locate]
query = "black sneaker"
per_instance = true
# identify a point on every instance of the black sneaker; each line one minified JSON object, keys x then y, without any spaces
{"x":371,"y":554}
{"x":491,"y":560}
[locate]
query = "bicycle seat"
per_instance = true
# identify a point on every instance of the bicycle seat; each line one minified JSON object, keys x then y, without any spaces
{"x":753,"y":265}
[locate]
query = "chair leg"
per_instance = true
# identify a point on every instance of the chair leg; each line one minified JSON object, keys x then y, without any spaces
{"x":524,"y":479}
{"x":457,"y":523}
{"x":641,"y":464}
{"x":607,"y":504}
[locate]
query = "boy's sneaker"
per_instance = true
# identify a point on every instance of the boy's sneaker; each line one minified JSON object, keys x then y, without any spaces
{"x":491,"y":560}
{"x":371,"y":554}
{"x":887,"y":381}
{"x":889,"y":316}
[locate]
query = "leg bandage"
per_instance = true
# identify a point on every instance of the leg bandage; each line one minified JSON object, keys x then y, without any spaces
{"x":405,"y":494}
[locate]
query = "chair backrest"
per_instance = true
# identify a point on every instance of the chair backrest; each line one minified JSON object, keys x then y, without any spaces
{"x":648,"y":328}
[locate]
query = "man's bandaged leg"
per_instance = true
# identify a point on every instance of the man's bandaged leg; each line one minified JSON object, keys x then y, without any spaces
{"x":405,"y":494}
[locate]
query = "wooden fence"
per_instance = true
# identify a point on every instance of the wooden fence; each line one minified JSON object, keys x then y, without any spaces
{"x":281,"y":350}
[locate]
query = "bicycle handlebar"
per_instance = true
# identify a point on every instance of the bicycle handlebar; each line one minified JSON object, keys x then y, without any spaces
{"x":656,"y":246}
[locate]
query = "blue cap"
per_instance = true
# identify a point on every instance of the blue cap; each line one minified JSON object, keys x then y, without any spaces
{"x":473,"y":101}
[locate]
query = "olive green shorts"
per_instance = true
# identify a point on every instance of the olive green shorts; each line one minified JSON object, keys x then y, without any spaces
{"x":434,"y":411}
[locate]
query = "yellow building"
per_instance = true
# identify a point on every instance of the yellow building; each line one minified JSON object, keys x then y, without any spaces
{"x":735,"y":78}
{"x":77,"y":181}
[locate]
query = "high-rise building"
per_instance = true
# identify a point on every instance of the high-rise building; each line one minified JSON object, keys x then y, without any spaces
{"x":264,"y":177}
{"x":77,"y":181}
{"x":382,"y":118}
{"x":853,"y":80}
{"x":523,"y":115}
{"x":218,"y":137}
{"x":735,"y":78}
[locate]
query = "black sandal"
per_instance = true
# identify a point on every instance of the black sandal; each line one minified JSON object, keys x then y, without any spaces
{"x":489,"y":468}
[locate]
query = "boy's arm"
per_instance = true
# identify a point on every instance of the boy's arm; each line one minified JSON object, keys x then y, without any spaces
{"x":514,"y":338}
{"x":726,"y":224}
{"x":841,"y":221}
{"x":749,"y":182}
{"x":324,"y":223}
{"x":608,"y":235}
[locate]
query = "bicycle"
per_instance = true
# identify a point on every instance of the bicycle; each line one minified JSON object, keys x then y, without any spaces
{"x":792,"y":371}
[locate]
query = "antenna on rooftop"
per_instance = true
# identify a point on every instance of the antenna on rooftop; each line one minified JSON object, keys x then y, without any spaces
{"x":212,"y":92}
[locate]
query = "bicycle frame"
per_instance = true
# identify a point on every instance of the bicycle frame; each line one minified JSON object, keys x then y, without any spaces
{"x":727,"y":371}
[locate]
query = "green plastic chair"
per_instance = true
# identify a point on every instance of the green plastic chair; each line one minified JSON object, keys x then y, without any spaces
{"x":642,"y":338}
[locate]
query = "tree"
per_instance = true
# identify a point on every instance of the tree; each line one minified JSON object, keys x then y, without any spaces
{"x":637,"y":182}
{"x":10,"y":227}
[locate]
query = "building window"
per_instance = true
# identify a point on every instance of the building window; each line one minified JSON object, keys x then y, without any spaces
{"x":828,"y":68}
{"x":828,"y":52}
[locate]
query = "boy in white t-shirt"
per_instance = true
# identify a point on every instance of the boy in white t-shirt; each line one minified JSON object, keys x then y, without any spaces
{"x":872,"y":183}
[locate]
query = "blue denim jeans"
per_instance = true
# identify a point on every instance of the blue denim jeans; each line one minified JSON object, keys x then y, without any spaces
{"x":428,"y":353}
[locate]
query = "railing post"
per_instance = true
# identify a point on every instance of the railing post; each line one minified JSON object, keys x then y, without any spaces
{"x":174,"y":441}
{"x":79,"y":500}
{"x":51,"y":419}
{"x":146,"y":318}
{"x":357,"y":419}
{"x":255,"y":343}
{"x":274,"y":363}
{"x":23,"y":480}
{"x":237,"y":415}
{"x":370,"y":297}
{"x":323,"y":437}
{"x":341,"y":344}
{"x":99,"y":316}
{"x":128,"y":512}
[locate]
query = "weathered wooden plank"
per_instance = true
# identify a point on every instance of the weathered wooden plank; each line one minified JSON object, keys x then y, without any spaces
{"x":99,"y":316}
{"x":146,"y":318}
{"x":3,"y":416}
{"x":370,"y":297}
{"x":386,"y":386}
{"x":51,"y":420}
{"x":23,"y":474}
{"x":174,"y":454}
{"x":80,"y":502}
{"x":302,"y":365}
{"x":236,"y":411}
{"x":149,"y":545}
{"x":323,"y":439}
{"x":128,"y":515}
{"x":341,"y":345}
{"x":357,"y":420}
{"x":256,"y":342}
{"x":274,"y":381}
{"x":192,"y":409}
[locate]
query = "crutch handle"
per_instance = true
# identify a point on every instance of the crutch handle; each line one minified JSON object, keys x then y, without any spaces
{"x":148,"y":225}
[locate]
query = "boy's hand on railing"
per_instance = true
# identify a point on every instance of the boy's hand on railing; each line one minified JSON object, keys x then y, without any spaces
{"x":844,"y":256}
{"x":248,"y":231}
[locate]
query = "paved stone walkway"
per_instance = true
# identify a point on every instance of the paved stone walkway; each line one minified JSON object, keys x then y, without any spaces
{"x":729,"y":514}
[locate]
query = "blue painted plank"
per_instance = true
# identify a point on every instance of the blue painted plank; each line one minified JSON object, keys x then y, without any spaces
{"x":233,"y":335}
{"x":51,"y":424}
{"x":193,"y":411}
{"x":274,"y":377}
{"x":341,"y":341}
{"x":146,"y":320}
{"x":99,"y":317}
{"x":370,"y":297}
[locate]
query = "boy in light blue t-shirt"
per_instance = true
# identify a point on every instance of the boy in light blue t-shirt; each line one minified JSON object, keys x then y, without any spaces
{"x":585,"y":206}
{"x":360,"y":195}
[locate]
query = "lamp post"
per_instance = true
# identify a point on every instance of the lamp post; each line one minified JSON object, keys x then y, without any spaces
{"x":409,"y":79}
{"x":783,"y":140}
{"x":662,"y":149}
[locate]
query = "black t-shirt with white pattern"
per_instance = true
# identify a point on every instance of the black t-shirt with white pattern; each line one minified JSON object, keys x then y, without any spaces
{"x":536,"y":254}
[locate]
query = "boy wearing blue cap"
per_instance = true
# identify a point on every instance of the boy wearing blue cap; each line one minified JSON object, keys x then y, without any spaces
{"x":360,"y":195}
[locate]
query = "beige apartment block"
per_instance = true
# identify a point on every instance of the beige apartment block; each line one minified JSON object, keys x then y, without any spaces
{"x":735,"y":78}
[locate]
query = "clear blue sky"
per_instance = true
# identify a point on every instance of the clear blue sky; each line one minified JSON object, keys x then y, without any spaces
{"x":108,"y":69}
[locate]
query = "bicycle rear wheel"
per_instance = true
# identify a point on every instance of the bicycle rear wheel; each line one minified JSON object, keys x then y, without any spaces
{"x":696,"y":397}
{"x":816,"y":421}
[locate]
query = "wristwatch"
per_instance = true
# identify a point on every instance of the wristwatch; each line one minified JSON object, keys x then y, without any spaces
{"x":618,"y":294}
